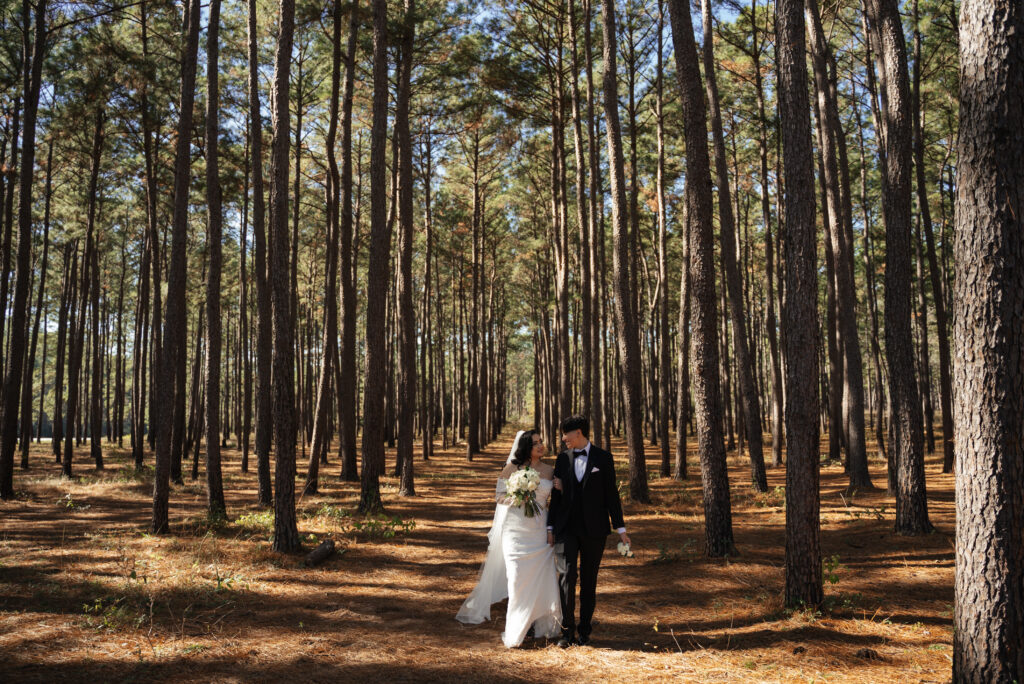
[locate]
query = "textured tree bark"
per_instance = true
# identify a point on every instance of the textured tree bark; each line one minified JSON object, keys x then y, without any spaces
{"x":19,"y":315}
{"x":988,"y":639}
{"x":744,"y":359}
{"x":286,"y":533}
{"x":173,"y":353}
{"x":349,"y":379}
{"x":907,"y":444}
{"x":704,"y":349}
{"x":799,"y":314}
{"x":214,"y":481}
{"x":378,"y":275}
{"x":406,"y":311}
{"x":264,"y":332}
{"x":628,"y":337}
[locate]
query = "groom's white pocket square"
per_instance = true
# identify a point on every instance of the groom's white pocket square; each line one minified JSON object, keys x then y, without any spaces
{"x":595,"y":470}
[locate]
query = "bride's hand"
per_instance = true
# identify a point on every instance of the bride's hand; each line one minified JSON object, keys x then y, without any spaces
{"x":551,"y":538}
{"x":557,"y":483}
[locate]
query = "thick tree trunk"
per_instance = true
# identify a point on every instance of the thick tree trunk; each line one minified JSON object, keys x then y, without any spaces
{"x":19,"y":315}
{"x":799,"y":315}
{"x":286,"y":533}
{"x":378,"y":275}
{"x":264,"y":343}
{"x":704,"y":346}
{"x":988,"y":639}
{"x":406,"y":312}
{"x":907,"y":446}
{"x":214,"y":482}
{"x":173,"y":353}
{"x":628,"y":337}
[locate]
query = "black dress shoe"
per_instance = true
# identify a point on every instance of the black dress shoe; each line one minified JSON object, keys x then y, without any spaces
{"x":565,"y":642}
{"x":583,"y":640}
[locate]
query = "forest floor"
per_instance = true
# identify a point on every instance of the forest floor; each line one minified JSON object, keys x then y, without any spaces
{"x":87,"y":595}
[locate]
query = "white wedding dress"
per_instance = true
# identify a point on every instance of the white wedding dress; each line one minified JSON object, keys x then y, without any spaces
{"x":520,"y":565}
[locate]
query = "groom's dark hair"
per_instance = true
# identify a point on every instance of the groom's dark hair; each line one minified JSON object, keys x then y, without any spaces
{"x":576,"y":422}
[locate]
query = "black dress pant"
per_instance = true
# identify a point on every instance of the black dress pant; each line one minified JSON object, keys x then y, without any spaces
{"x":583,"y":558}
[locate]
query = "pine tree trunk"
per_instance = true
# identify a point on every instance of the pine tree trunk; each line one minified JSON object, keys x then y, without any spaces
{"x":279,"y":275}
{"x":406,"y":312}
{"x":264,"y":342}
{"x":15,"y":361}
{"x":704,"y":346}
{"x":347,"y":421}
{"x":628,"y":337}
{"x":988,"y":245}
{"x":907,"y":443}
{"x":214,"y":481}
{"x":378,"y":275}
{"x":799,"y":314}
{"x":173,"y":352}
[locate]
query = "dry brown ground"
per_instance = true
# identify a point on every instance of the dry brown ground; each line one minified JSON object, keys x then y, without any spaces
{"x":87,"y":595}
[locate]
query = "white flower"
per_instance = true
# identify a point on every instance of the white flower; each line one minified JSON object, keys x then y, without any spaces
{"x":624,"y":550}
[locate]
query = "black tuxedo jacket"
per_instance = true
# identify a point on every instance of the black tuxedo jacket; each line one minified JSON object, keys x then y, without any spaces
{"x":600,"y":496}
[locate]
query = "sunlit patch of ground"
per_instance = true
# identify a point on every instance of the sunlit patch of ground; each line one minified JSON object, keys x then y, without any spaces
{"x":87,"y":595}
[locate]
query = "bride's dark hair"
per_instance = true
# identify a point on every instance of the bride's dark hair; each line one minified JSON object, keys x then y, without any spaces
{"x":523,"y":448}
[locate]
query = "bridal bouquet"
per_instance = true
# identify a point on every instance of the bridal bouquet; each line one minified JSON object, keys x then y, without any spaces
{"x":522,"y":489}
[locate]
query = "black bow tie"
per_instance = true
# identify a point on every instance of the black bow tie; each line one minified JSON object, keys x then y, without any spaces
{"x":581,"y":452}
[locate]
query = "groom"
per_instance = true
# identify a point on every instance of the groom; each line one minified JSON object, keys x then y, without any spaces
{"x":578,"y":517}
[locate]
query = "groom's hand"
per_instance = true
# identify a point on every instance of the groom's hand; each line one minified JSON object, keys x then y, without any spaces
{"x":551,"y":538}
{"x":624,"y":538}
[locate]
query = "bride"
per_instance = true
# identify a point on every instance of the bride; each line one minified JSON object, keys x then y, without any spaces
{"x":520,"y":562}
